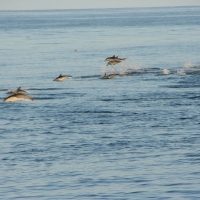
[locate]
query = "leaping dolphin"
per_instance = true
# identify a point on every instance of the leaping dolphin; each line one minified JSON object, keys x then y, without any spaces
{"x":113,"y":62}
{"x":115,"y":58}
{"x":111,"y":58}
{"x":62,"y":77}
{"x":18,"y":97}
{"x":18,"y":91}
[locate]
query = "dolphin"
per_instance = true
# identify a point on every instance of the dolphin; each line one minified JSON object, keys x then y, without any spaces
{"x":111,"y":58}
{"x":18,"y":97}
{"x":109,"y":76}
{"x":18,"y":91}
{"x":114,"y":58}
{"x":62,"y":77}
{"x":113,"y":62}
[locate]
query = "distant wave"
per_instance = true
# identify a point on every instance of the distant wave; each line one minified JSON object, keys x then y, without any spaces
{"x":56,"y":88}
{"x":90,"y":76}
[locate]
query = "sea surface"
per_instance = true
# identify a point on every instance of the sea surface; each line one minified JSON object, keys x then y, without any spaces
{"x":136,"y":136}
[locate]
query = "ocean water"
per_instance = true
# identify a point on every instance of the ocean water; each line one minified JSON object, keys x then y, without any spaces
{"x":136,"y":136}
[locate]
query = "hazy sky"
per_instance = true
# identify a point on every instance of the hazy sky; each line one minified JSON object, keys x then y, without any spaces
{"x":76,"y":4}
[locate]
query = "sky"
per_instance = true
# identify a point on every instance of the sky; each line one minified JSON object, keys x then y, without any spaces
{"x":85,"y":4}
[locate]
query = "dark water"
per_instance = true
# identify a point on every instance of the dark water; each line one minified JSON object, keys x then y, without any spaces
{"x":135,"y":136}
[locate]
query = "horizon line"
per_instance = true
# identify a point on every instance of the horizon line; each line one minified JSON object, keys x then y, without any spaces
{"x":46,"y":9}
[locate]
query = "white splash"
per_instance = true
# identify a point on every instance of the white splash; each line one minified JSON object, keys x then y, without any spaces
{"x":123,"y":68}
{"x":166,"y":71}
{"x":188,"y":65}
{"x":181,"y":72}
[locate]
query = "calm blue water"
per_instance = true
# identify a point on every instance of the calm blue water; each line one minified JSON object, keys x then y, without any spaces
{"x":135,"y":136}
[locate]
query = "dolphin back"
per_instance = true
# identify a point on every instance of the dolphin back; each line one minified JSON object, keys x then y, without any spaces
{"x":18,"y":97}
